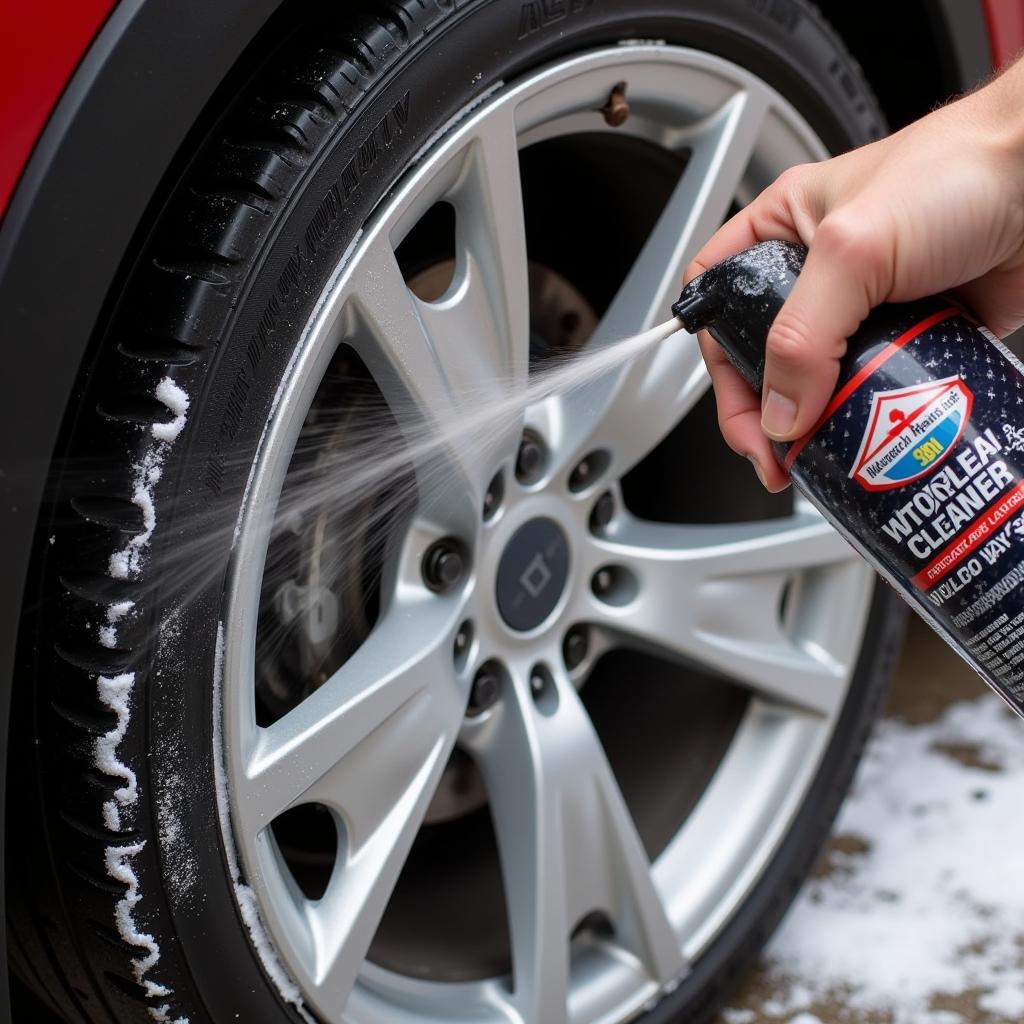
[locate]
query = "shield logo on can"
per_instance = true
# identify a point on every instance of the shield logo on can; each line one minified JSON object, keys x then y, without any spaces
{"x":910,"y":432}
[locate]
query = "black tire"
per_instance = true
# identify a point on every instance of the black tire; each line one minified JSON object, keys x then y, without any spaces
{"x":249,"y":236}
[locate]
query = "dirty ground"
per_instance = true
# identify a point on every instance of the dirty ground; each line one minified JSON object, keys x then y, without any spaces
{"x":915,"y":913}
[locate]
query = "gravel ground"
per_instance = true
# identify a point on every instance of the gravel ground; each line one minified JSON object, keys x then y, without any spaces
{"x":915,"y":913}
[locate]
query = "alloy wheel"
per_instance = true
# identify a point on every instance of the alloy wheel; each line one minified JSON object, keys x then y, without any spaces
{"x":370,"y":742}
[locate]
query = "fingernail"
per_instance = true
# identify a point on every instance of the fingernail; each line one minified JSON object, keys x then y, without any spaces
{"x":758,"y":470}
{"x":778,"y":414}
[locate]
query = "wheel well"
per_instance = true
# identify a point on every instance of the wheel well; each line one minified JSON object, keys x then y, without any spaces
{"x":916,"y":53}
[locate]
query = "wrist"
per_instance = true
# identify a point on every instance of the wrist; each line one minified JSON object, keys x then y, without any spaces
{"x":998,"y":111}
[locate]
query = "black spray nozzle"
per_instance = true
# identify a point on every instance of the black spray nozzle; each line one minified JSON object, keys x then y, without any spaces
{"x":738,"y":299}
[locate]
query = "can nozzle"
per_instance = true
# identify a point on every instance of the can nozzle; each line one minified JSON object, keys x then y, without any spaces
{"x":695,"y":308}
{"x":738,"y":299}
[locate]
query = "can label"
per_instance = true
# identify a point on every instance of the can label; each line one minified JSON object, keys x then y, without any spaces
{"x":910,"y":431}
{"x":920,"y":455}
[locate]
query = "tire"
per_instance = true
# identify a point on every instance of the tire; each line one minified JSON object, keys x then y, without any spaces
{"x":124,"y":894}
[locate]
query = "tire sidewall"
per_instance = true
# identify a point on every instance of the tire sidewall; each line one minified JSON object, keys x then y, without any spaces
{"x":234,"y":391}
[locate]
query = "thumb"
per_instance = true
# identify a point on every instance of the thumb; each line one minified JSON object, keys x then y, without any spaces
{"x":831,"y":297}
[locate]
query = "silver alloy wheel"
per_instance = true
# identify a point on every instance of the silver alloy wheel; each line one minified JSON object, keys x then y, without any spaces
{"x":371,"y":743}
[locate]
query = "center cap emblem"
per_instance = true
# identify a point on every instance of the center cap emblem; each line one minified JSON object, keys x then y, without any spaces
{"x":532,"y":573}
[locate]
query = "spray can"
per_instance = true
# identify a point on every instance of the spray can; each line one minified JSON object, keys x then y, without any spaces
{"x":918,"y":459}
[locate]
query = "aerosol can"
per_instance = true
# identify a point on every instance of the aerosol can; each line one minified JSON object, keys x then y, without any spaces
{"x":918,"y":459}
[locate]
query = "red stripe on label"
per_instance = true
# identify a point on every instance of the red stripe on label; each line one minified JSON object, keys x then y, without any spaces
{"x":969,"y":538}
{"x":862,"y":375}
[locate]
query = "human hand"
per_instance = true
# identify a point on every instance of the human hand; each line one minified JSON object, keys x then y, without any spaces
{"x":938,"y":206}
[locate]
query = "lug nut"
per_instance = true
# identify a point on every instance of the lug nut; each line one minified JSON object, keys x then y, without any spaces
{"x":604,"y":580}
{"x":580,"y":475}
{"x":530,"y":458}
{"x":543,"y":689}
{"x":486,"y":687}
{"x":443,"y":565}
{"x":588,"y":469}
{"x":602,"y":512}
{"x":462,"y":641}
{"x":492,"y":499}
{"x":574,"y":647}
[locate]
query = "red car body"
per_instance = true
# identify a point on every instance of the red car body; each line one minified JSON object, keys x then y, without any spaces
{"x":47,"y":41}
{"x":99,"y":99}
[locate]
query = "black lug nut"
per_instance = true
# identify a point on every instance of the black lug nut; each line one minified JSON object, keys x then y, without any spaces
{"x":530,"y":458}
{"x":574,"y":647}
{"x":602,"y":512}
{"x":580,"y":475}
{"x":495,"y":492}
{"x":486,"y":687}
{"x":588,"y":469}
{"x":443,"y":565}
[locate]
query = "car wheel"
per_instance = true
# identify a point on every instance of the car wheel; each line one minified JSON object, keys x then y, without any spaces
{"x":365,"y":692}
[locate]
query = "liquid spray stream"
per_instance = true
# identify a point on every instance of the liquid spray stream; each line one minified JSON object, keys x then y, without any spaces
{"x":360,"y":468}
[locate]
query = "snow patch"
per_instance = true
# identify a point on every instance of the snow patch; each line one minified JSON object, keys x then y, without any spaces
{"x":118,"y":610}
{"x":162,"y":1015}
{"x":174,"y":795}
{"x":112,"y":815}
{"x":929,"y":904}
{"x":120,"y":870}
{"x":265,"y":950}
{"x":247,"y":904}
{"x":115,"y":692}
{"x":128,"y":561}
{"x":181,"y":866}
{"x":176,"y":401}
{"x":115,"y":612}
{"x":147,"y":472}
{"x":731,"y":1016}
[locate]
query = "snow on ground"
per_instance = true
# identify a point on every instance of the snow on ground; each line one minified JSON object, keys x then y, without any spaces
{"x":917,"y":915}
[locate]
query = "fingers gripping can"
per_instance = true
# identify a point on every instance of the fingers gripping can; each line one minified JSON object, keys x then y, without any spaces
{"x":918,"y":458}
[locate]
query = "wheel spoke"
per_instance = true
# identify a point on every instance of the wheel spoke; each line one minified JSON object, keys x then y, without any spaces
{"x":495,"y":305}
{"x":370,"y":745}
{"x":460,"y":362}
{"x":712,"y":595}
{"x":389,"y":696}
{"x":568,"y":847}
{"x":630,"y":410}
{"x":419,"y":375}
{"x":393,"y":790}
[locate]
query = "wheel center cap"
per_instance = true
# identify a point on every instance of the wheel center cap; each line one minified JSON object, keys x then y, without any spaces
{"x":532,"y":573}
